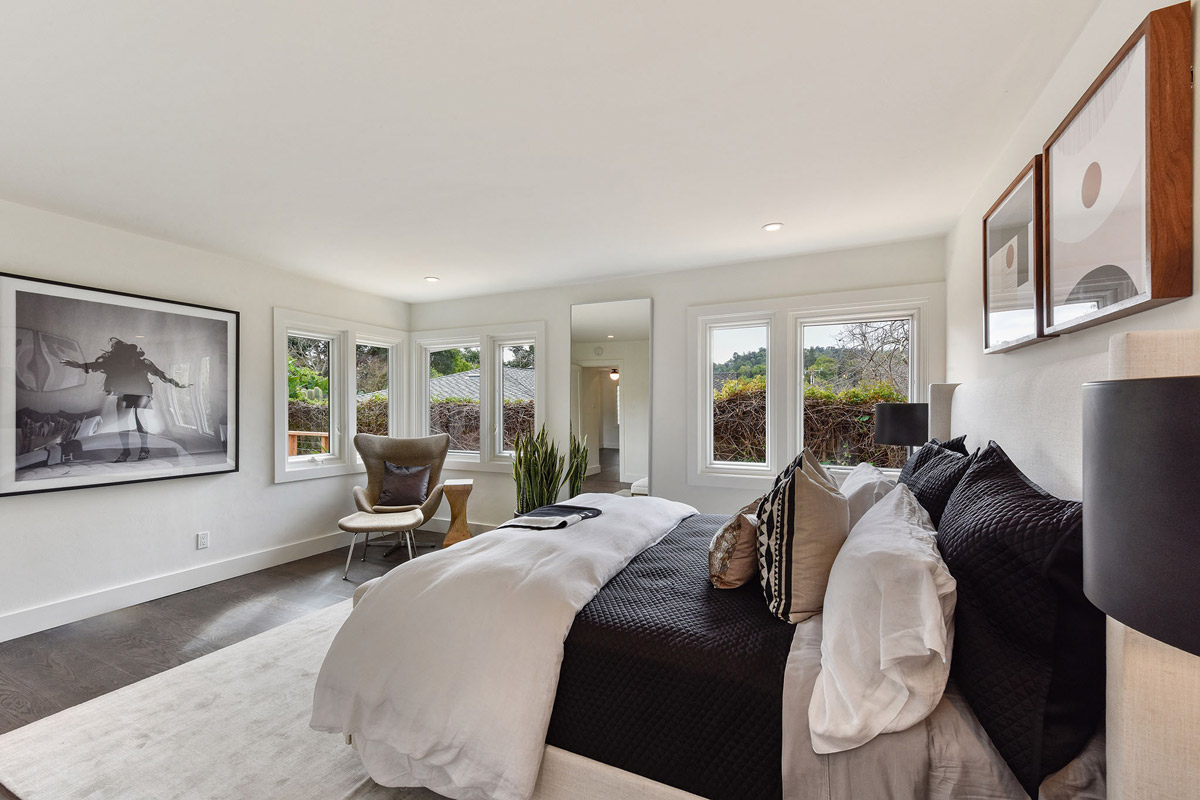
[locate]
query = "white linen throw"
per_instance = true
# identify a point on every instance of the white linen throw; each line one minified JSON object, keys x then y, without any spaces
{"x":446,"y":671}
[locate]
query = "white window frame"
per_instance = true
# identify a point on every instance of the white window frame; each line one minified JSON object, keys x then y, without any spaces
{"x":394,"y":341}
{"x":497,"y":402}
{"x":910,"y":309}
{"x":489,"y":339}
{"x":344,"y":335}
{"x":427,"y":348}
{"x":708,"y":324}
{"x":923,"y":303}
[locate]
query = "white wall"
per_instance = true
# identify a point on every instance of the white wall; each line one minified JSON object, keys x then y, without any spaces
{"x":1109,"y":27}
{"x":68,"y":555}
{"x":903,"y":263}
{"x":634,"y":360}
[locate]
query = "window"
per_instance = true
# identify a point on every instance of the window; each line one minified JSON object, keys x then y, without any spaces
{"x":453,"y":397}
{"x":848,"y":367}
{"x":518,"y":393}
{"x":372,"y":389}
{"x":738,"y":406}
{"x":310,"y":396}
{"x":481,"y":386}
{"x":333,"y":378}
{"x":767,"y":378}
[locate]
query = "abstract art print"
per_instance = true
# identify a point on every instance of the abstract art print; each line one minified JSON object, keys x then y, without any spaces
{"x":1119,"y":184}
{"x":111,"y":388}
{"x":1012,"y":264}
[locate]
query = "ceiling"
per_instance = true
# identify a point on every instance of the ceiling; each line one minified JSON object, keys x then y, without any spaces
{"x":526,"y":143}
{"x":618,"y":321}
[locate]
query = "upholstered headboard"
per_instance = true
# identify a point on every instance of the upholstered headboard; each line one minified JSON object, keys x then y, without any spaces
{"x":1153,"y":715}
{"x":1036,"y":416}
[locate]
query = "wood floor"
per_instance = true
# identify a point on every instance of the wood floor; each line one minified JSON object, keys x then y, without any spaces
{"x":46,"y":672}
{"x":608,"y":479}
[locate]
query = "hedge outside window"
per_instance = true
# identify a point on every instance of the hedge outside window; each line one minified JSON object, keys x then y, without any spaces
{"x":453,"y":395}
{"x":518,"y":392}
{"x":311,"y":386}
{"x":738,"y":363}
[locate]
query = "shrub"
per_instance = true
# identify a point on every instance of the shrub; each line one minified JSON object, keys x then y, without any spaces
{"x":839,"y":427}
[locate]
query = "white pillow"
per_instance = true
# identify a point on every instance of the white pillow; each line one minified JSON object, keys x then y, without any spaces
{"x":864,"y":487}
{"x":888,"y":628}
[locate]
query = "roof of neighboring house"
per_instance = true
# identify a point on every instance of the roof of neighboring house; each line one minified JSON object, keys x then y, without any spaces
{"x":519,"y":384}
{"x":721,"y":378}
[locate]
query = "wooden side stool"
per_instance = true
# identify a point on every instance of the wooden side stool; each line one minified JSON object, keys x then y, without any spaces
{"x":457,"y":490}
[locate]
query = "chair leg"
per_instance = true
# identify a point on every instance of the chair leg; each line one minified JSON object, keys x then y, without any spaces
{"x":366,"y":538}
{"x":408,"y":537}
{"x":350,"y":554}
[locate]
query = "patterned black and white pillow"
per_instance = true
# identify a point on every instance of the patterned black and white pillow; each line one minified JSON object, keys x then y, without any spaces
{"x":802,"y":523}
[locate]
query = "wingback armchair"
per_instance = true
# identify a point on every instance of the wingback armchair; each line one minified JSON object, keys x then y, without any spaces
{"x":374,"y":518}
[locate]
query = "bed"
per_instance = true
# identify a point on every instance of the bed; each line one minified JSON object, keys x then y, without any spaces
{"x":627,"y":720}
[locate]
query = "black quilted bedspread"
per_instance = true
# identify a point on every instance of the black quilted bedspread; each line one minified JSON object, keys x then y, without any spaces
{"x":669,"y":678}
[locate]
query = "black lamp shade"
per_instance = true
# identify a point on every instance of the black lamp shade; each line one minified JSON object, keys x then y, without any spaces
{"x":1141,"y":505}
{"x":901,"y":423}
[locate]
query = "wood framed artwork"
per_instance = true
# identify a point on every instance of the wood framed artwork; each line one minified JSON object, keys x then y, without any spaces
{"x":101,"y":387}
{"x":1012,"y":264}
{"x":1119,"y":183}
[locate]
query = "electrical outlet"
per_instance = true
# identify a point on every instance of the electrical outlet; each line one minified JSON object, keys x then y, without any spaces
{"x":202,"y":540}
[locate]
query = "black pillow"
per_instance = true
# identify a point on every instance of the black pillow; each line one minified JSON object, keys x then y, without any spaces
{"x":1028,"y":646}
{"x":404,"y":486}
{"x":934,"y":474}
{"x":956,"y":445}
{"x":917,"y":459}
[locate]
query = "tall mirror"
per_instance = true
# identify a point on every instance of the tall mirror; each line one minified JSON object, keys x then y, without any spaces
{"x":610,"y":393}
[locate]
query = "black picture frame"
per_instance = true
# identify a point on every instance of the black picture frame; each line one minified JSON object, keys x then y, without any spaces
{"x":101,"y":387}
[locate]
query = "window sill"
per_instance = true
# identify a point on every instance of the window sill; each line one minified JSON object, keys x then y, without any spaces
{"x":307,"y":470}
{"x":749,"y":478}
{"x":467,"y":464}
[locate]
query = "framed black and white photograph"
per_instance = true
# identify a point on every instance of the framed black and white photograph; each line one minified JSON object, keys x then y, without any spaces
{"x":1012,"y":264}
{"x":100,"y":387}
{"x":1119,"y":183}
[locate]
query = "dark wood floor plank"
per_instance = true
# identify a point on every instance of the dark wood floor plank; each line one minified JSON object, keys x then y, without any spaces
{"x":49,"y":679}
{"x":47,"y":672}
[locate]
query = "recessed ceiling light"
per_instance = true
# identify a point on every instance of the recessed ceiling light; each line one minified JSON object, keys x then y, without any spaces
{"x":610,"y":336}
{"x":432,"y":279}
{"x":772,"y":226}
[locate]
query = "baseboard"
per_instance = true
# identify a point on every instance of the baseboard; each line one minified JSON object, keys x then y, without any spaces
{"x":442,"y":524}
{"x":592,"y":470}
{"x":51,"y":615}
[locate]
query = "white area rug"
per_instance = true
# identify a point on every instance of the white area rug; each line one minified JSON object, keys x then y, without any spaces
{"x":232,"y":724}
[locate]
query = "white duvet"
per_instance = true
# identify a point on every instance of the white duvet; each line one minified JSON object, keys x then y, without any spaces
{"x":446,"y":670}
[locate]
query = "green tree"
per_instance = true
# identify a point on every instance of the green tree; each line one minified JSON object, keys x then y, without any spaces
{"x":520,"y":357}
{"x":453,"y":360}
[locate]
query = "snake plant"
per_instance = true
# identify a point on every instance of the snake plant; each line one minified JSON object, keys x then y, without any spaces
{"x":537,"y":469}
{"x":577,"y":464}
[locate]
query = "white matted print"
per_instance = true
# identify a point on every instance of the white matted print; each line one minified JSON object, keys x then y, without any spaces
{"x":1012,"y":240}
{"x":1097,"y":257}
{"x":112,"y":388}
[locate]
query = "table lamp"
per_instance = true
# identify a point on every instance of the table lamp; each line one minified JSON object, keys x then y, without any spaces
{"x":904,"y":424}
{"x":1141,"y":507}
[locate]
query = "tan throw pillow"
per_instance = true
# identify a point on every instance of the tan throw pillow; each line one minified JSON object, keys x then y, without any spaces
{"x":733,"y":552}
{"x":802,"y":523}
